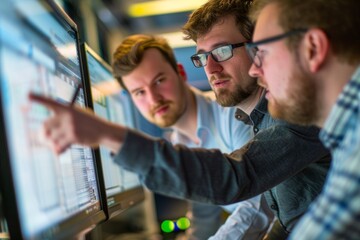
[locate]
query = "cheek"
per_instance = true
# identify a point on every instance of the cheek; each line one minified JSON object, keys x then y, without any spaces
{"x":142,"y":106}
{"x":245,"y":63}
{"x":238,"y":68}
{"x":171,"y":91}
{"x":272,"y":77}
{"x":279,"y":78}
{"x":282,"y":89}
{"x":166,"y":90}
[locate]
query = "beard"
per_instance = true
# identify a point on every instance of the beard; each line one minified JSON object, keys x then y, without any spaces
{"x":168,"y":119}
{"x":230,"y":98}
{"x":300,"y":106}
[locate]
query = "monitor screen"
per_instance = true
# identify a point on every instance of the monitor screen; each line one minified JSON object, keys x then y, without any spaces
{"x":45,"y":196}
{"x":110,"y":102}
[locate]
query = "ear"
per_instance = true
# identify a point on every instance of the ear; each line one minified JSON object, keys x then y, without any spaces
{"x":316,"y":48}
{"x":182,"y":72}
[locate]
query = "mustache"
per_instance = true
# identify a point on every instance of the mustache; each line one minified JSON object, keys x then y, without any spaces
{"x":218,"y":77}
{"x":158,"y":106}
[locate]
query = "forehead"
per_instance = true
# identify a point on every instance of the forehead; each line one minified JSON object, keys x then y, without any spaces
{"x":223,"y":32}
{"x":267,"y":23}
{"x":152,"y":64}
{"x":152,"y":60}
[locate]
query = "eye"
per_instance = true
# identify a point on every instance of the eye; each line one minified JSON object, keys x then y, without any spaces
{"x":261,"y":53}
{"x":222,"y":52}
{"x":159,"y":81}
{"x":138,"y":93}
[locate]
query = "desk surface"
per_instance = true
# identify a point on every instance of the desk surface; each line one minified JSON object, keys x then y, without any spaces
{"x":4,"y":236}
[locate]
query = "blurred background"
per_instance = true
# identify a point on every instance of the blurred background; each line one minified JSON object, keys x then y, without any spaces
{"x":103,"y":24}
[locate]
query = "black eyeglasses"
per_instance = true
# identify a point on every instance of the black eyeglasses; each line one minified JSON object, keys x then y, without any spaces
{"x":252,"y":48}
{"x":219,"y":54}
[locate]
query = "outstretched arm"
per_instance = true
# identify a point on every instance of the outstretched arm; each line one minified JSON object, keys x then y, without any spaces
{"x":176,"y":170}
{"x":207,"y":175}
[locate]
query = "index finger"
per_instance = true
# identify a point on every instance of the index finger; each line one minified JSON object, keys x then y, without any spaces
{"x":46,"y":101}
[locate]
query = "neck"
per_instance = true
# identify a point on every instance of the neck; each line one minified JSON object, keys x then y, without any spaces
{"x":187,"y":123}
{"x":332,"y":82}
{"x":249,"y":103}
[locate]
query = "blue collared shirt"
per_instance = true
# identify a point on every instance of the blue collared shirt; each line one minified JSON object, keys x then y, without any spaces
{"x":217,"y":128}
{"x":336,"y":213}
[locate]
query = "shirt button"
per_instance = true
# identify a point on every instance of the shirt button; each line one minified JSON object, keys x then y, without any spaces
{"x":256,"y":129}
{"x":273,"y":207}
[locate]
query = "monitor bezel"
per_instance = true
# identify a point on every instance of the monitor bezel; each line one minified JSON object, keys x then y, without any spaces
{"x":128,"y":197}
{"x":80,"y":223}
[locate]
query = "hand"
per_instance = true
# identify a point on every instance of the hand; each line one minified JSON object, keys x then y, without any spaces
{"x":73,"y":125}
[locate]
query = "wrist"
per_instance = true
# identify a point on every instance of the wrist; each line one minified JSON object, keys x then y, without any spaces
{"x":113,"y":137}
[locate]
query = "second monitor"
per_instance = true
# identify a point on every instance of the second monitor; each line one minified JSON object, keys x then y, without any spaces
{"x":123,"y":188}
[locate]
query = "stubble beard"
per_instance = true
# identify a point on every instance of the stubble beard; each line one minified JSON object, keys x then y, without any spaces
{"x":228,"y":98}
{"x":300,"y":107}
{"x":167,"y":120}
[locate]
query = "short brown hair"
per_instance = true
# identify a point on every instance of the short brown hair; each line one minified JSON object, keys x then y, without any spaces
{"x":337,"y":18}
{"x":130,"y":52}
{"x":204,"y":18}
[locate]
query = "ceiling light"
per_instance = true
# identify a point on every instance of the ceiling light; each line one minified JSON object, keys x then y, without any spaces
{"x":160,"y":7}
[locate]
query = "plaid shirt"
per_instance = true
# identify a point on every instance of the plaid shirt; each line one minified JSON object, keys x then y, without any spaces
{"x":336,"y":213}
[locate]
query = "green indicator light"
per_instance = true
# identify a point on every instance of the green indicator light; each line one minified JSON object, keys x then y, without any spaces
{"x":167,"y":226}
{"x":183,"y":223}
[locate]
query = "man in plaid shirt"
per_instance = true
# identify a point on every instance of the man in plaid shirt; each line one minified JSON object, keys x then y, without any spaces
{"x":316,"y":44}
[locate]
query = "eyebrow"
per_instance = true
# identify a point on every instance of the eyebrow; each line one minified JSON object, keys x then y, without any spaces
{"x":220,"y":44}
{"x":154,"y":78}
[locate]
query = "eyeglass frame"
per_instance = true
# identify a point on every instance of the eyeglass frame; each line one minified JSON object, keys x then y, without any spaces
{"x":233,"y":46}
{"x":252,"y":45}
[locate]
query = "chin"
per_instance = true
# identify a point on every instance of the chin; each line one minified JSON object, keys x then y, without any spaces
{"x":165,"y":122}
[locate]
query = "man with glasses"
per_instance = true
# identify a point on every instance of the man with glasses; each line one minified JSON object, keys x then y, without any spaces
{"x":320,"y":85}
{"x":287,"y":161}
{"x":220,"y":39}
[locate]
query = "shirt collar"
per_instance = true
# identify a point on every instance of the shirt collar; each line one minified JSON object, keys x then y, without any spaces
{"x":204,"y":118}
{"x":342,"y":112}
{"x":261,"y":107}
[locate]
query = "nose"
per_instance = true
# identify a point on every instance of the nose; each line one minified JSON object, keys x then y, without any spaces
{"x":154,"y":96}
{"x":255,"y":71}
{"x":212,"y":66}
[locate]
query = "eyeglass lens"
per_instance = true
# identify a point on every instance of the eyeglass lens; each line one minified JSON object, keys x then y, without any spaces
{"x":253,"y":54}
{"x":252,"y":48}
{"x":219,"y":54}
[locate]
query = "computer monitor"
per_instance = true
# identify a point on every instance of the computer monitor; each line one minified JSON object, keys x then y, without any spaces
{"x":110,"y":102}
{"x":45,"y":196}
